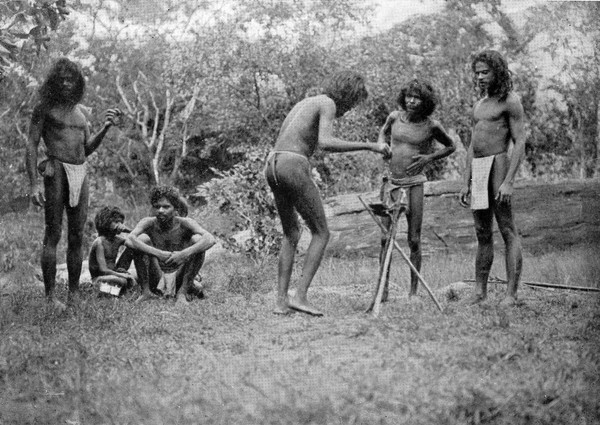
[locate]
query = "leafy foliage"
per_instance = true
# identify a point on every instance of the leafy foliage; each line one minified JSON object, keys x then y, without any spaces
{"x":27,"y":20}
{"x":243,"y":192}
{"x":226,"y":77}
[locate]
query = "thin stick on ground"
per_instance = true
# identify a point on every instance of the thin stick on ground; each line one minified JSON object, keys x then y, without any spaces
{"x":410,"y":264}
{"x":547,"y":285}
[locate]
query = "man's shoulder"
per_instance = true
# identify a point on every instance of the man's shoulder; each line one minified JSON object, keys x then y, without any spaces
{"x":434,"y":124}
{"x":316,"y":101}
{"x":86,"y":111}
{"x":394,"y":115}
{"x":147,"y":221}
{"x":186,"y":221}
{"x":97,"y":241}
{"x":513,"y":98}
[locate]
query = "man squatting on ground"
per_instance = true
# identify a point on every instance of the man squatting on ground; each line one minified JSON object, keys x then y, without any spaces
{"x":412,"y":136}
{"x":490,"y":171}
{"x":168,"y":248}
{"x":104,"y":265}
{"x":307,"y":126}
{"x":61,"y":122}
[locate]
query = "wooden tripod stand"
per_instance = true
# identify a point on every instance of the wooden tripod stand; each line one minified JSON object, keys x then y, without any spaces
{"x":375,"y":210}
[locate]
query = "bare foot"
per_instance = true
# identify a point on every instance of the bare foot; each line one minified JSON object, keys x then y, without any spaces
{"x":304,"y":306}
{"x":477,"y":298}
{"x":56,"y":306}
{"x":283,"y":310}
{"x":145,"y":297}
{"x":384,"y":297}
{"x":509,"y":301}
{"x":196,"y":291}
{"x":74,"y":298}
{"x":414,"y":298}
{"x":181,"y":301}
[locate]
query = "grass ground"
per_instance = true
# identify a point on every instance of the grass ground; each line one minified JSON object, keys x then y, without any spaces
{"x":227,"y":360}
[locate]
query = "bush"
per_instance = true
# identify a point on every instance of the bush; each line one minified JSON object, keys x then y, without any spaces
{"x":243,"y":194}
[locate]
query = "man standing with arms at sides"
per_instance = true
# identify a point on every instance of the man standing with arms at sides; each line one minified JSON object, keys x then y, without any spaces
{"x":490,"y":171}
{"x":60,"y":120}
{"x":309,"y":125}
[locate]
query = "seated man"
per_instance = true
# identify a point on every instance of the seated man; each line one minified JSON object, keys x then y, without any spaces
{"x":169,"y":249}
{"x":109,"y":273}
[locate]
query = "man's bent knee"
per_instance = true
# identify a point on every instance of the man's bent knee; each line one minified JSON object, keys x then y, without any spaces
{"x":293,"y":235}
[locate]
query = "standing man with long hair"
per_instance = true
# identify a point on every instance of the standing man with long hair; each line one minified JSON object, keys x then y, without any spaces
{"x":490,"y":170}
{"x":60,"y":120}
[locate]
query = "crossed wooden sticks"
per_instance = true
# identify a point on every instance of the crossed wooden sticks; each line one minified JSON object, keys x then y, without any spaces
{"x":384,"y":268}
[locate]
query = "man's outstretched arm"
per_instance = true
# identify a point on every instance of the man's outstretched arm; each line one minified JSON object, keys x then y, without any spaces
{"x":330,"y":143}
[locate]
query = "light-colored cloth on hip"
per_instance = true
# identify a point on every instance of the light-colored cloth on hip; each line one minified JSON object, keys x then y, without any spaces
{"x":168,"y":284}
{"x":480,"y":176}
{"x":75,"y":176}
{"x":272,"y":160}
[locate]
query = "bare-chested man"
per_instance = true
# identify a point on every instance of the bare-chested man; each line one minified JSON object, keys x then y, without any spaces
{"x":412,"y":136}
{"x":169,"y":248}
{"x":490,"y":171}
{"x":307,"y":126}
{"x":60,"y":120}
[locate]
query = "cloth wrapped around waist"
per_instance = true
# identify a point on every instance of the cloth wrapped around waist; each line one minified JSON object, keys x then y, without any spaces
{"x":168,"y":283}
{"x":393,"y":191}
{"x":271,"y":160}
{"x":480,"y":176}
{"x":75,"y":176}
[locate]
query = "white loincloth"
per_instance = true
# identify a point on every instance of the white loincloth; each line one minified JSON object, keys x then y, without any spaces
{"x":167,"y":284}
{"x":480,"y":176}
{"x":75,"y":175}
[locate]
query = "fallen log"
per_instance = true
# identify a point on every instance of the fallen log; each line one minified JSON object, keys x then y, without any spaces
{"x":548,"y":215}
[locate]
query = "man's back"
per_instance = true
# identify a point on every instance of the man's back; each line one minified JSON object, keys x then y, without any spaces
{"x":300,"y":129}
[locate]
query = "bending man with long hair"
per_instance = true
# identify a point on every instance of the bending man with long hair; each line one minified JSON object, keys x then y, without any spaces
{"x":308,"y":126}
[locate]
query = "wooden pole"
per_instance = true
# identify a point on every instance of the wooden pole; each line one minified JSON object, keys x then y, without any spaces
{"x":387,"y":262}
{"x":546,"y":285}
{"x":410,"y":264}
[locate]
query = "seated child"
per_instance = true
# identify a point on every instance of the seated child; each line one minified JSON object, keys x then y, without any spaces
{"x":108,"y":273}
{"x":168,"y":248}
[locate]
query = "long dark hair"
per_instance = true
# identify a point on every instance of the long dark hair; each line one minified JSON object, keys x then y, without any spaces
{"x":426,"y":93}
{"x":346,"y":89}
{"x":52,"y":93}
{"x":105,"y":217}
{"x":502,"y":84}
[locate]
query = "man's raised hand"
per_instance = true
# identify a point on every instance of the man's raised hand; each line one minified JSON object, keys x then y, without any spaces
{"x":112,"y":117}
